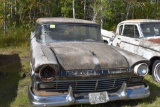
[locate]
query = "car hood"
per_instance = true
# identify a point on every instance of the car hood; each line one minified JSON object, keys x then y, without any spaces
{"x":87,"y":55}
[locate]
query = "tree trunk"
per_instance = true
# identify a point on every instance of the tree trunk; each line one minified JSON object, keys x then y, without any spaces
{"x":11,"y":14}
{"x":16,"y":14}
{"x":30,"y":15}
{"x":128,"y":9}
{"x":4,"y":26}
{"x":133,"y":7}
{"x":73,"y":9}
{"x":94,"y":12}
{"x":101,"y":16}
{"x":84,"y":15}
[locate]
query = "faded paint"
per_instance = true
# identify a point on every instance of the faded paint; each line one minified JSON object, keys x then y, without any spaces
{"x":40,"y":55}
{"x":150,"y":45}
{"x":146,"y":47}
{"x":82,"y":53}
{"x":66,"y":54}
{"x":131,"y":58}
{"x":139,"y":21}
{"x":155,"y":40}
{"x":63,"y":20}
{"x":89,"y":60}
{"x":107,"y":36}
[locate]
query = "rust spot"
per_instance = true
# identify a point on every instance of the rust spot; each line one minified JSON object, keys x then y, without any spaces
{"x":118,"y":45}
{"x":48,"y":93}
{"x":155,"y":40}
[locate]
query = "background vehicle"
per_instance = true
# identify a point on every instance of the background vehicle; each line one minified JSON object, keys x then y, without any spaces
{"x":142,"y":37}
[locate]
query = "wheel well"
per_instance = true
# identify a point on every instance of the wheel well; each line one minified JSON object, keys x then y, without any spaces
{"x":105,"y":41}
{"x":152,"y":60}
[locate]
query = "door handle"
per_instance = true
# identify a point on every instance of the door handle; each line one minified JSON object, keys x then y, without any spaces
{"x":119,"y":38}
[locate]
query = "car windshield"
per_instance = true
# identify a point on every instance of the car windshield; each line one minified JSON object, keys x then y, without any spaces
{"x":70,"y":32}
{"x":150,"y":29}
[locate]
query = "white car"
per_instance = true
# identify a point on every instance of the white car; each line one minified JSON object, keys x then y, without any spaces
{"x":142,"y":37}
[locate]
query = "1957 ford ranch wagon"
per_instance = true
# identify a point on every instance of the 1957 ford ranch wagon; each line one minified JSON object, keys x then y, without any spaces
{"x":70,"y":64}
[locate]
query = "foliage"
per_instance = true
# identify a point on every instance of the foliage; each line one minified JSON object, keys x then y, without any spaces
{"x":20,"y":15}
{"x":106,"y":12}
{"x":15,"y":37}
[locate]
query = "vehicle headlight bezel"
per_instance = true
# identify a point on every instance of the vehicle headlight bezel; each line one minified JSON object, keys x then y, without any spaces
{"x":47,"y":73}
{"x":141,"y":69}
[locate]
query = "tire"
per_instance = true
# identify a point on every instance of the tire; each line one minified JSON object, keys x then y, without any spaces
{"x":105,"y":42}
{"x":156,"y":71}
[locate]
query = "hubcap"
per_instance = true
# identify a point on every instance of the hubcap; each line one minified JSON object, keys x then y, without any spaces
{"x":157,"y":72}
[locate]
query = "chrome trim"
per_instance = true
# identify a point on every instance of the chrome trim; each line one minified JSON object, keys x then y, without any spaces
{"x":136,"y":69}
{"x":68,"y":99}
{"x":81,"y":73}
{"x":122,"y":91}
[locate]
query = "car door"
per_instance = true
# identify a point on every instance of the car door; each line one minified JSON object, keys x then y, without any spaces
{"x":128,"y":38}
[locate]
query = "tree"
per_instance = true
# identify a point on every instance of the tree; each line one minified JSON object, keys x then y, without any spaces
{"x":4,"y":15}
{"x":73,"y":7}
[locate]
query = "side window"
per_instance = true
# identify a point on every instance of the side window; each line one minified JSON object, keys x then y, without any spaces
{"x":131,"y":31}
{"x":38,"y":32}
{"x":120,"y":29}
{"x":157,"y":31}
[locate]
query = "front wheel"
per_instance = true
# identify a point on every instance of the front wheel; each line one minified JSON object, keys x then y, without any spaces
{"x":156,"y":71}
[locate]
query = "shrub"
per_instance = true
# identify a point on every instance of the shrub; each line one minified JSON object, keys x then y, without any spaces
{"x":15,"y":37}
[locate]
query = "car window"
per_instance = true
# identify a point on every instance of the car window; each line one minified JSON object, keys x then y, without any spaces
{"x":38,"y":31}
{"x":150,"y":29}
{"x":120,"y":29}
{"x":131,"y":31}
{"x":69,"y":32}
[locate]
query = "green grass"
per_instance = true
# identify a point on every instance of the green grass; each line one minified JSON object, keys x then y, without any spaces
{"x":13,"y":86}
{"x":14,"y":61}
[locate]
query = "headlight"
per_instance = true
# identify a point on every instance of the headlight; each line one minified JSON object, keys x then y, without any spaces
{"x":47,"y":73}
{"x":141,"y":69}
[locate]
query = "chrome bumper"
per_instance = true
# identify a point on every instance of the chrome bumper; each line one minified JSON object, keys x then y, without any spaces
{"x":69,"y":99}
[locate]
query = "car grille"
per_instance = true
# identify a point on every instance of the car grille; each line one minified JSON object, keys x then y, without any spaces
{"x":109,"y":84}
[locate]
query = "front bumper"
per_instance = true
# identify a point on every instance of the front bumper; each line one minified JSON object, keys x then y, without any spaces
{"x":68,"y":99}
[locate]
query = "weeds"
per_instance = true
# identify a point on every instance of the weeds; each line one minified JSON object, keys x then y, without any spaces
{"x":15,"y":37}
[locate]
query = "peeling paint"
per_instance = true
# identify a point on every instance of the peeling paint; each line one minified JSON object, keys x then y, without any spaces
{"x":155,"y":40}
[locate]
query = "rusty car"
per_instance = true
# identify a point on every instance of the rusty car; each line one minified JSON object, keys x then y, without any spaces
{"x":70,"y":65}
{"x":139,"y":36}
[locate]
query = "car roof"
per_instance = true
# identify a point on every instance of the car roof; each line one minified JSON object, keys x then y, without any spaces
{"x":63,"y":20}
{"x":140,"y":21}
